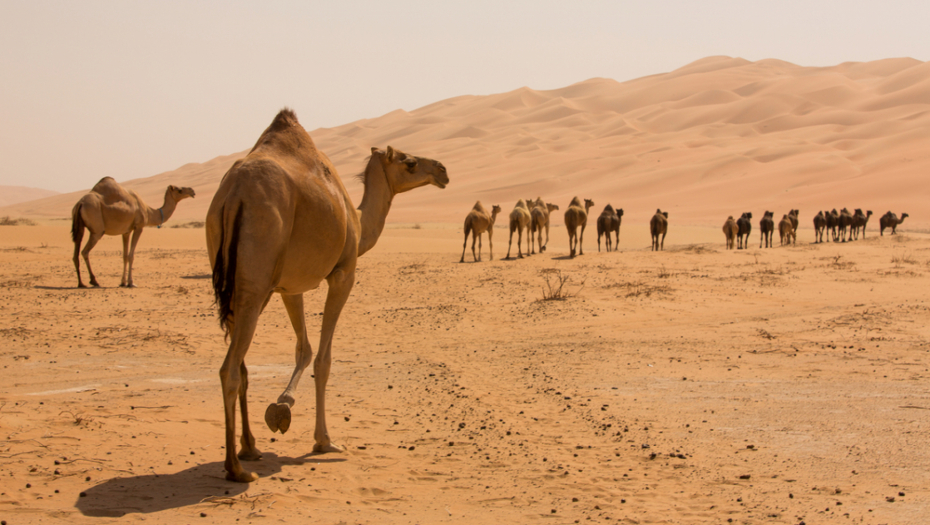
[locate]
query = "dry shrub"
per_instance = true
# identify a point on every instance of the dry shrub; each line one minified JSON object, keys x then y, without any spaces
{"x":556,"y":284}
{"x":191,"y":224}
{"x":7,"y":221}
{"x":636,"y":289}
{"x":903,"y":258}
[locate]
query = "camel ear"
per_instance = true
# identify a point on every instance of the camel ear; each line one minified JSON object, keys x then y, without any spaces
{"x":172,"y":188}
{"x":374,"y":149}
{"x":390,"y":154}
{"x":665,"y":213}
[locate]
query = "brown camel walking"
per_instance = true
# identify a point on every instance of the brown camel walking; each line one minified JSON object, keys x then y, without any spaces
{"x":477,"y":222}
{"x":539,"y":219}
{"x":110,"y":209}
{"x":890,"y":220}
{"x":845,"y":224}
{"x":820,"y":224}
{"x":833,"y":222}
{"x":859,"y":221}
{"x":766,"y":227}
{"x":730,"y":230}
{"x":609,"y":221}
{"x":786,"y":231}
{"x":658,"y":225}
{"x":282,"y":222}
{"x":744,"y":223}
{"x":575,"y":217}
{"x":519,"y":220}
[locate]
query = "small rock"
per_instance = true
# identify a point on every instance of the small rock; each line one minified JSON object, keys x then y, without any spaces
{"x":203,"y":514}
{"x":745,"y":476}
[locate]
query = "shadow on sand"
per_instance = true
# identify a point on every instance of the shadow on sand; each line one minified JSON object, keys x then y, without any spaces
{"x":157,"y":492}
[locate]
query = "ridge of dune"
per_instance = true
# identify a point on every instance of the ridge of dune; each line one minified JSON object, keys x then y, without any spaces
{"x":10,"y":195}
{"x":706,"y":140}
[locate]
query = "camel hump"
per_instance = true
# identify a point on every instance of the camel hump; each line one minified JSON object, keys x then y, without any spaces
{"x":285,"y":118}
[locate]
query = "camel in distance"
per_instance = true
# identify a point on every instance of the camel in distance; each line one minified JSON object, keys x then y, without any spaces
{"x":282,"y":222}
{"x":609,"y":221}
{"x":477,"y":222}
{"x":110,"y":209}
{"x":658,"y":225}
{"x":766,"y":228}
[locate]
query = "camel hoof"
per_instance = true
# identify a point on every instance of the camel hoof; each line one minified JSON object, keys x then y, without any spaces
{"x":278,"y":417}
{"x":323,"y":449}
{"x":249,"y":454}
{"x":82,"y":285}
{"x":95,"y":284}
{"x":242,"y":477}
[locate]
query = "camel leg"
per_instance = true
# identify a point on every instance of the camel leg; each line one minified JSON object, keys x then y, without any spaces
{"x":571,"y":242}
{"x":91,"y":242}
{"x":132,"y":254}
{"x":599,"y":243}
{"x":122,"y":281}
{"x":662,"y":244}
{"x":490,"y":243}
{"x":340,"y":286}
{"x":509,"y":244}
{"x":547,"y":237}
{"x":519,"y":242}
{"x":278,"y":415}
{"x":465,"y":247}
{"x":248,"y":451}
{"x":77,"y":260}
{"x":581,"y":241}
{"x":616,"y":239}
{"x":479,"y":247}
{"x":539,"y":241}
{"x":231,"y":378}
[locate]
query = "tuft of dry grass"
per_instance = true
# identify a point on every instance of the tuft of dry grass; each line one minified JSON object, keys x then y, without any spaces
{"x":191,"y":224}
{"x":555,"y":285}
{"x":903,"y":258}
{"x":7,"y":221}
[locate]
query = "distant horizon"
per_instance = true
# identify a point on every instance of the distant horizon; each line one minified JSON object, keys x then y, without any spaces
{"x":127,"y":90}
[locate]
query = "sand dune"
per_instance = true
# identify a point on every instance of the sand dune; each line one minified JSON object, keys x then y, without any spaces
{"x":16,"y":194}
{"x":717,"y":135}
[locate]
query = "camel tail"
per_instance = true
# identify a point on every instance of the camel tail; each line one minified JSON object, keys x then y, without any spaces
{"x":77,"y":224}
{"x":224,"y":271}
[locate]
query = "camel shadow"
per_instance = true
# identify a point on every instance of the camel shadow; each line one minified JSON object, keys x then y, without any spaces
{"x":200,"y":276}
{"x":563,"y":258}
{"x":38,"y":287}
{"x":150,"y":493}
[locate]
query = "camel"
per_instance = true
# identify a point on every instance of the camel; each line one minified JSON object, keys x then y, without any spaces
{"x":820,"y":224}
{"x":609,"y":221}
{"x":576,"y":216}
{"x":477,"y":222}
{"x":730,"y":230}
{"x":786,"y":230}
{"x":519,"y":220}
{"x":744,"y":224}
{"x":859,"y":222}
{"x":539,"y":219}
{"x":658,"y":225}
{"x":833,"y":221}
{"x":845,"y":223}
{"x":110,"y":209}
{"x":890,"y":220}
{"x":282,"y":222}
{"x":766,"y":227}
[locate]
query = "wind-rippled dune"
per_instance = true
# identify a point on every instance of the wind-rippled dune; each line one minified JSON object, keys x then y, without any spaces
{"x":719,"y":136}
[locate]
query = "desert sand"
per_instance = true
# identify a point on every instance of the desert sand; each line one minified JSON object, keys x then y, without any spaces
{"x":693,"y":385}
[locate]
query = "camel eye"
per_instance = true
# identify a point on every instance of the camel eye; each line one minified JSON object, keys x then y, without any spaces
{"x":411,"y":163}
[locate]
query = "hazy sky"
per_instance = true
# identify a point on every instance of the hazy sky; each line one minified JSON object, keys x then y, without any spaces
{"x":130,"y":88}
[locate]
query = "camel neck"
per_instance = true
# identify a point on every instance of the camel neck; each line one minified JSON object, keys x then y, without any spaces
{"x":376,"y":203}
{"x":159,"y":216}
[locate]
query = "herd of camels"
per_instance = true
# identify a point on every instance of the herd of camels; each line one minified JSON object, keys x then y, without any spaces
{"x":842,"y":226}
{"x":282,"y":222}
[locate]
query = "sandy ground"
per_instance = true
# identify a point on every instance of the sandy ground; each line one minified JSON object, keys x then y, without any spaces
{"x":690,"y":386}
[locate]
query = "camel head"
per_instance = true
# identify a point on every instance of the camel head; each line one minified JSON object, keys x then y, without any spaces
{"x":768,"y":215}
{"x":620,"y":212}
{"x":495,"y":209}
{"x":178,"y":193}
{"x":903,"y":215}
{"x":552,"y":207}
{"x":868,"y":213}
{"x":405,"y":172}
{"x":747,"y":215}
{"x":588,"y":203}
